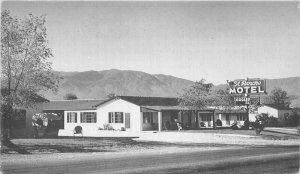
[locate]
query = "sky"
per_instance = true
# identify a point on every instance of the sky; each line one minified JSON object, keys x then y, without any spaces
{"x":217,"y":41}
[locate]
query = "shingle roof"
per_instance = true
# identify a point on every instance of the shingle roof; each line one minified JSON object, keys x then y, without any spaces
{"x":164,"y":108}
{"x":72,"y":104}
{"x":146,"y":101}
{"x":278,"y":107}
{"x":231,"y":111}
{"x":151,"y":101}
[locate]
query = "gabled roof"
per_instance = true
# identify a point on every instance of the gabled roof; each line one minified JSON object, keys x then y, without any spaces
{"x":72,"y":104}
{"x":145,"y":101}
{"x":278,"y":107}
{"x":151,"y":101}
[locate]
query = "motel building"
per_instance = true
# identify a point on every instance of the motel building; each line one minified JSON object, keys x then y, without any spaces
{"x":135,"y":114}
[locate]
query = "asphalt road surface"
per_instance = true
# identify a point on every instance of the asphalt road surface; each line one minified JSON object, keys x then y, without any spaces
{"x":269,"y":159}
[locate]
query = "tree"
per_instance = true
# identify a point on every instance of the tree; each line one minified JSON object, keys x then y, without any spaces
{"x":111,"y":95}
{"x":200,"y":95}
{"x":279,"y":97}
{"x":26,"y":69}
{"x":197,"y":96}
{"x":70,"y":96}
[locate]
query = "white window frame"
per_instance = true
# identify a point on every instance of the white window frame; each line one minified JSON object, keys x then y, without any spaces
{"x":116,"y":117}
{"x":206,"y":117}
{"x":71,"y":117}
{"x":88,"y":117}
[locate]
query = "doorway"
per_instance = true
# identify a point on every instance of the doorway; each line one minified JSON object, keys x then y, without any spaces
{"x":127,"y":120}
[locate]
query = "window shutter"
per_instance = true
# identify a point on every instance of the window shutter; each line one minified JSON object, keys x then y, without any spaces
{"x":109,"y":117}
{"x":122,"y":117}
{"x":75,"y":117}
{"x":81,"y":117}
{"x":95,"y":115}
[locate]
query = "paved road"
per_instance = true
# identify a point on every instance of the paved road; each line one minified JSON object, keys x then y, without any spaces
{"x":240,"y":160}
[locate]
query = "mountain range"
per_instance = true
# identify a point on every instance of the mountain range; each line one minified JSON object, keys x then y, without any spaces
{"x":99,"y":84}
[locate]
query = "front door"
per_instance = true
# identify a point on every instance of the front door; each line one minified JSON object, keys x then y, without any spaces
{"x":127,"y":120}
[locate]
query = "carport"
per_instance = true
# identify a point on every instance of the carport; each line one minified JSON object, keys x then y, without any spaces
{"x":164,"y":115}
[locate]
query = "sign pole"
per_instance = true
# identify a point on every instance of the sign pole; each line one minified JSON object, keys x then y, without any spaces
{"x":247,"y":105}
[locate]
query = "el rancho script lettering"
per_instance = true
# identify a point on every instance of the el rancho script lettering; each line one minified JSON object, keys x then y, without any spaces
{"x":247,"y":87}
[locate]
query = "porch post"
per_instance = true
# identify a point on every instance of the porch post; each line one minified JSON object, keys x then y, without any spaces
{"x":214,"y":121}
{"x":159,"y":121}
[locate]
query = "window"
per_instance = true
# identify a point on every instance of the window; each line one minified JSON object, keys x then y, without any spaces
{"x":115,"y":117}
{"x":71,"y":117}
{"x":241,"y":117}
{"x":88,"y":117}
{"x":206,"y":117}
{"x":147,"y":117}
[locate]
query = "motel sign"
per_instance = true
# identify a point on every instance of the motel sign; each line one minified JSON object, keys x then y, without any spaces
{"x":249,"y":86}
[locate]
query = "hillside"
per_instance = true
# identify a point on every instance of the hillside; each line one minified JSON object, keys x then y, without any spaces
{"x":98,"y":84}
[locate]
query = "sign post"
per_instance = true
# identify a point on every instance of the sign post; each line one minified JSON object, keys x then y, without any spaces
{"x":246,"y":87}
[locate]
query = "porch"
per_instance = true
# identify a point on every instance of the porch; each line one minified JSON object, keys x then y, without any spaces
{"x":160,"y":118}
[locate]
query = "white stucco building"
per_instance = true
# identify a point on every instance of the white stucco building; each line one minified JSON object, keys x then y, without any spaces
{"x":273,"y":110}
{"x":132,"y":113}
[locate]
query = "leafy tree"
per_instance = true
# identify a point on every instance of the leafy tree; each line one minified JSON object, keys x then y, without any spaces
{"x":200,"y":95}
{"x":223,"y":98}
{"x":197,"y":96}
{"x":70,"y":96}
{"x":26,"y":69}
{"x":279,"y":97}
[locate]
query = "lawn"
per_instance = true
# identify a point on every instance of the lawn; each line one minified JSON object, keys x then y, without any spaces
{"x":82,"y":145}
{"x":65,"y":145}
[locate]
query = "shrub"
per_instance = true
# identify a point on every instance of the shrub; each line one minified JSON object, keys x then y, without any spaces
{"x":219,"y":122}
{"x":78,"y":130}
{"x":267,"y":120}
{"x":107,"y":127}
{"x":234,"y":126}
{"x":202,"y":124}
{"x":40,"y":122}
{"x":258,"y":127}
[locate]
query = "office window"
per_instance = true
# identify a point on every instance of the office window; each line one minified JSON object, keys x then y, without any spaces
{"x":115,"y":117}
{"x":88,"y":117}
{"x":206,"y":117}
{"x":71,"y":117}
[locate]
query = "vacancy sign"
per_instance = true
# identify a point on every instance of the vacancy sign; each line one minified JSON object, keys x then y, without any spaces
{"x":242,"y":100}
{"x":249,"y":86}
